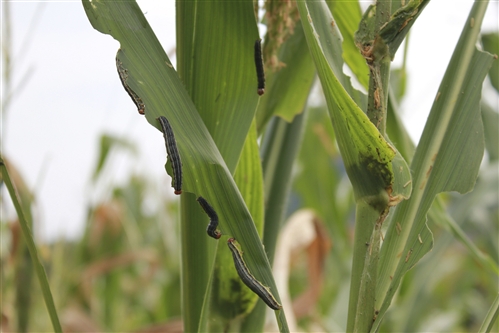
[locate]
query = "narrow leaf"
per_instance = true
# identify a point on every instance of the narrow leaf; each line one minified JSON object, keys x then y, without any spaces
{"x":30,"y":243}
{"x":491,"y":317}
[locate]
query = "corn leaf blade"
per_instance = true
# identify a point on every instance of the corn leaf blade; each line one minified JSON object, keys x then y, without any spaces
{"x":452,"y":140}
{"x":153,"y":78}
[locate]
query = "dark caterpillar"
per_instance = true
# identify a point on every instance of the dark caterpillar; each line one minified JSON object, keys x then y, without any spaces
{"x":249,"y":280}
{"x":260,"y":73}
{"x":173,"y":155}
{"x":211,"y":230}
{"x":123,"y":73}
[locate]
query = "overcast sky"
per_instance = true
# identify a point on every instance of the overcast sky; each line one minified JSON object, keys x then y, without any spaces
{"x":51,"y":129}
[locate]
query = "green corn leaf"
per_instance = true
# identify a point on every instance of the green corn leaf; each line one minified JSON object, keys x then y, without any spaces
{"x":319,"y":156}
{"x":288,"y":91}
{"x":216,"y":64}
{"x":248,"y":178}
{"x":366,"y":154}
{"x":217,"y":45}
{"x":206,"y":172}
{"x":347,"y":15}
{"x":288,"y":88}
{"x":438,"y":212}
{"x":395,"y":30}
{"x":23,"y":264}
{"x":225,"y":301}
{"x":452,"y":140}
{"x":491,"y":44}
{"x":491,"y":126}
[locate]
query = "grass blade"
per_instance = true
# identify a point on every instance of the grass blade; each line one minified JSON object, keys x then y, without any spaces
{"x":38,"y":266}
{"x":491,"y":317}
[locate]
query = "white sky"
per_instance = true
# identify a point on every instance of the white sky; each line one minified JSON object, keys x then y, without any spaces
{"x":51,"y":129}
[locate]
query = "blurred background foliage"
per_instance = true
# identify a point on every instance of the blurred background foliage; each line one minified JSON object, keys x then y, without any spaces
{"x":123,"y":274}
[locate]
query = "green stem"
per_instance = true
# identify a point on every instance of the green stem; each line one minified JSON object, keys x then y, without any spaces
{"x":40,"y":270}
{"x":364,"y":268}
{"x":380,"y":71}
{"x":368,"y":219}
{"x":24,"y":277}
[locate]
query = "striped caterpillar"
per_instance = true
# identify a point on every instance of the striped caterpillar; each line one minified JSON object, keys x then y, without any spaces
{"x":123,"y":73}
{"x":211,"y":230}
{"x":173,"y":155}
{"x":249,"y":280}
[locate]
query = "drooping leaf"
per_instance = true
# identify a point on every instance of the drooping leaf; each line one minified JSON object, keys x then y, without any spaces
{"x":438,"y":211}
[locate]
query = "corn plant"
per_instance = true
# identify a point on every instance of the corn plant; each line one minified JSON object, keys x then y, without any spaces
{"x":238,"y":149}
{"x":211,"y":103}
